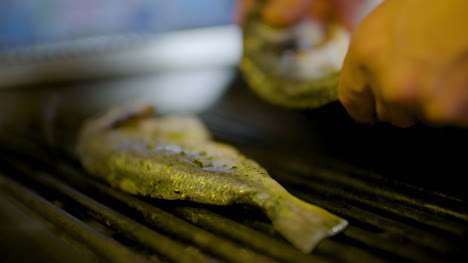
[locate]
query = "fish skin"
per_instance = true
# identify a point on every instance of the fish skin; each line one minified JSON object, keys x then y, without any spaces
{"x":174,"y":158}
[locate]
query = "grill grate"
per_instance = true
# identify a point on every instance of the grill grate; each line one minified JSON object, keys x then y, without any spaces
{"x":102,"y":245}
{"x":224,"y":239}
{"x":391,"y":220}
{"x":385,"y":226}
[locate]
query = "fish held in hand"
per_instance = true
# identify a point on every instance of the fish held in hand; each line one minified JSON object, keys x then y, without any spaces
{"x":297,"y":66}
{"x":174,"y":158}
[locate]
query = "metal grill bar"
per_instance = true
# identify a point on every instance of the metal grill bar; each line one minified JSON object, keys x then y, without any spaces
{"x":385,"y":206}
{"x":221,"y":225}
{"x":387,"y":235}
{"x":236,"y":231}
{"x":397,"y":201}
{"x":384,"y":224}
{"x":179,"y":228}
{"x":216,"y":223}
{"x":388,"y":227}
{"x":188,"y":232}
{"x":367,"y":184}
{"x":412,"y":195}
{"x":449,"y":229}
{"x":103,"y":246}
{"x":124,"y":225}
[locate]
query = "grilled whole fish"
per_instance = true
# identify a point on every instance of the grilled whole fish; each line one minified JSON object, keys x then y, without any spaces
{"x":174,"y":158}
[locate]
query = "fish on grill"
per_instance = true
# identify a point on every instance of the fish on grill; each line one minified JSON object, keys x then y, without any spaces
{"x":174,"y":158}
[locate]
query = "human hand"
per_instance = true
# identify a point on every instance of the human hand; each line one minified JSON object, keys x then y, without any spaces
{"x":286,"y":12}
{"x":408,"y":62}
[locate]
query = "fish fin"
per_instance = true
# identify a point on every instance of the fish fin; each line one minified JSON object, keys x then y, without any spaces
{"x":304,"y":225}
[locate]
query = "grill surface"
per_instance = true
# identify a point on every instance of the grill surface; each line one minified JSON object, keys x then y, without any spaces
{"x":400,"y":208}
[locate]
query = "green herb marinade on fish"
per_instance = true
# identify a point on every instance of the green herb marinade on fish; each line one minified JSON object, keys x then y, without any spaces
{"x":174,"y":158}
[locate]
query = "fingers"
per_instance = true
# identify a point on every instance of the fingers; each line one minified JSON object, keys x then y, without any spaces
{"x":285,"y":12}
{"x":373,"y":87}
{"x":349,"y":11}
{"x":370,"y":97}
{"x":322,"y":11}
{"x":402,"y":95}
{"x":277,"y":13}
{"x":357,"y":82}
{"x":281,"y":13}
{"x":241,"y":10}
{"x":446,"y":100}
{"x":355,"y":93}
{"x":395,"y":114}
{"x":366,"y":102}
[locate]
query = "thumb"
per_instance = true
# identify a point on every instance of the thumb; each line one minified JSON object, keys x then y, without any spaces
{"x":351,"y":12}
{"x":285,"y":12}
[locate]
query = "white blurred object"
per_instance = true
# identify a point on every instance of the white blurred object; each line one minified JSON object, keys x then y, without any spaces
{"x":317,"y":59}
{"x":110,"y":56}
{"x":171,"y":92}
{"x":184,"y":71}
{"x":322,"y":58}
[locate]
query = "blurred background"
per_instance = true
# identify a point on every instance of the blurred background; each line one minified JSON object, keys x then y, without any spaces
{"x":74,"y":58}
{"x":31,"y":22}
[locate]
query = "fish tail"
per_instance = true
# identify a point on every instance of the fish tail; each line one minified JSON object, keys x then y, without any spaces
{"x":304,"y":225}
